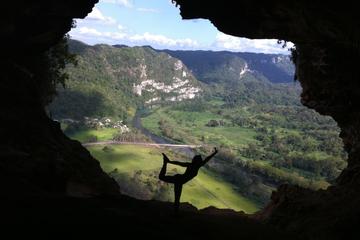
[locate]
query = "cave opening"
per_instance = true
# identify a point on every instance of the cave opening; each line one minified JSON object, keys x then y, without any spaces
{"x":43,"y":172}
{"x":247,"y":104}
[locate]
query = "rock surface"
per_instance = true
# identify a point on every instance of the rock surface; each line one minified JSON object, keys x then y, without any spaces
{"x":327,"y":53}
{"x":36,"y":158}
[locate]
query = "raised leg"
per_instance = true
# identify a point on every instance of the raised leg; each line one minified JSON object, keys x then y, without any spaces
{"x":163,"y":171}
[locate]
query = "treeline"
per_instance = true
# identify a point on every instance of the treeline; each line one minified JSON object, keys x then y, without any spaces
{"x":290,"y":144}
{"x":256,"y":179}
{"x":134,"y":135}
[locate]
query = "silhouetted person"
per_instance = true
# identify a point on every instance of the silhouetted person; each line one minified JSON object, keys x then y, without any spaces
{"x":178,"y":180}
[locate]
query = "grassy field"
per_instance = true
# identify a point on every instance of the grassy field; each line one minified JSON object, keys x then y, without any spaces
{"x":207,"y":189}
{"x":103,"y":134}
{"x":192,"y":127}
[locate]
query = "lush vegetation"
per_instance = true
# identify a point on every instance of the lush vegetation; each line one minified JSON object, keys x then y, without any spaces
{"x":94,"y":88}
{"x":248,"y":107}
{"x":266,"y":137}
{"x":212,"y":67}
{"x":136,"y":169}
{"x":102,"y":83}
{"x":94,"y":135}
{"x":46,"y":70}
{"x":272,"y":144}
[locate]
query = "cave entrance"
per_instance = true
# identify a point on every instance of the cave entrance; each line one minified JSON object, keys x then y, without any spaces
{"x":246,"y":104}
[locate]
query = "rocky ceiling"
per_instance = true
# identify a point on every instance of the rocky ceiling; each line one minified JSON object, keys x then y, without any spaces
{"x":326,"y":35}
{"x":297,"y":21}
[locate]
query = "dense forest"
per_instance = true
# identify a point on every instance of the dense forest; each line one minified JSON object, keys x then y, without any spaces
{"x":103,"y":83}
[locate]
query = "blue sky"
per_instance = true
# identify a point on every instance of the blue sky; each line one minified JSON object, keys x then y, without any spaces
{"x":159,"y":24}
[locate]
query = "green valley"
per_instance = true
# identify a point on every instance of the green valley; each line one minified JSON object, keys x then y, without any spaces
{"x":245,"y":104}
{"x":136,"y":169}
{"x":265,"y":144}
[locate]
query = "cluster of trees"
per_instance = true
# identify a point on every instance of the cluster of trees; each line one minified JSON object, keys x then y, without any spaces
{"x":194,"y":105}
{"x":215,"y":123}
{"x":291,"y":145}
{"x":297,"y":151}
{"x":166,"y":129}
{"x":132,"y":136}
{"x":170,"y":131}
{"x":277,"y":176}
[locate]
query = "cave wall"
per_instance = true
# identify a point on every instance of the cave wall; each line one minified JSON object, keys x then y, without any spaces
{"x":36,"y":158}
{"x":327,"y":37}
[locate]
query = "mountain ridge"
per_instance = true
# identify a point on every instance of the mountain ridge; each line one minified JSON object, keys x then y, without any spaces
{"x":113,"y":81}
{"x":277,"y":68}
{"x":116,"y":80}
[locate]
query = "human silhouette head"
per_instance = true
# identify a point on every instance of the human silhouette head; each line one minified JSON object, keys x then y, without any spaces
{"x":197,"y":159}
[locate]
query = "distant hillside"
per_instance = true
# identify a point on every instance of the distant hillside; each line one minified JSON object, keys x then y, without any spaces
{"x":205,"y":65}
{"x":115,"y":80}
{"x":244,"y":78}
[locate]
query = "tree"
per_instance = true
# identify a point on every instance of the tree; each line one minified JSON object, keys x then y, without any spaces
{"x":251,"y":151}
{"x":48,"y":69}
{"x":212,"y":123}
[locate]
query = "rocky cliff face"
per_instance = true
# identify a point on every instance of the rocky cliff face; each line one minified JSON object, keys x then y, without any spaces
{"x":178,"y":88}
{"x":36,"y":157}
{"x":326,"y":38}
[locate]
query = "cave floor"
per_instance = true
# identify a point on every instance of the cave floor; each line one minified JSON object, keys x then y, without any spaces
{"x":136,"y":218}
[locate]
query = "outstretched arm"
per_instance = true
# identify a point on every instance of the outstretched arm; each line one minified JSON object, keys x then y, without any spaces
{"x":182,"y":164}
{"x":210,"y":156}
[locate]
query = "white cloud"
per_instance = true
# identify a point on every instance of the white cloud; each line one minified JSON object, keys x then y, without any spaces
{"x":162,"y":40}
{"x":123,"y":3}
{"x":157,"y":40}
{"x":114,"y":35}
{"x":231,"y":43}
{"x":223,"y":42}
{"x":98,"y":16}
{"x":89,"y":31}
{"x":149,"y":10}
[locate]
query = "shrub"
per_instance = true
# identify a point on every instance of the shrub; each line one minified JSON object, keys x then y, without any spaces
{"x":92,"y":138}
{"x":108,"y":149}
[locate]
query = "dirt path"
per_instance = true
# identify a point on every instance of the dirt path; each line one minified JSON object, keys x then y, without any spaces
{"x":142,"y":144}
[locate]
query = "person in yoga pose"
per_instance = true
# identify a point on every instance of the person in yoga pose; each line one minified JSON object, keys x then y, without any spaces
{"x":192,"y":169}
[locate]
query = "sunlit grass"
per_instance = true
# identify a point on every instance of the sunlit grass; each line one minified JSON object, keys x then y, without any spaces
{"x":205,"y":190}
{"x":103,"y":134}
{"x":127,"y":158}
{"x":208,"y":189}
{"x":193,"y":126}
